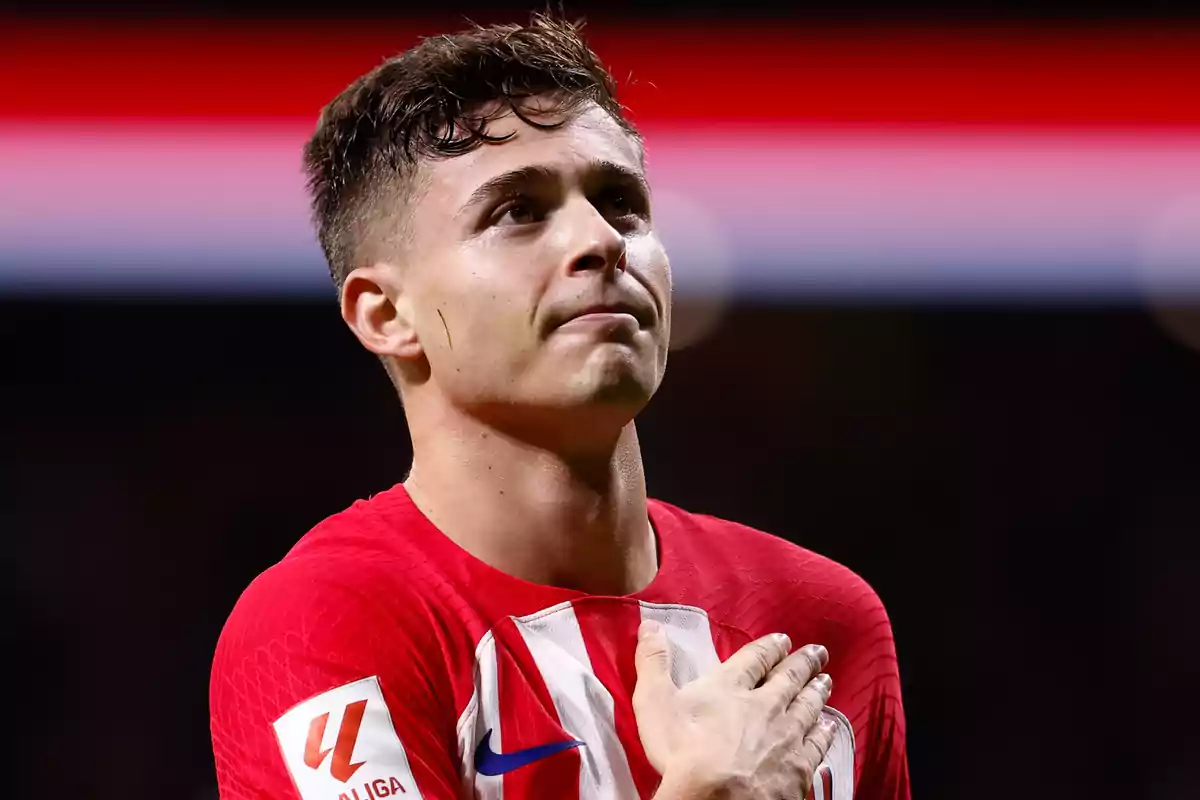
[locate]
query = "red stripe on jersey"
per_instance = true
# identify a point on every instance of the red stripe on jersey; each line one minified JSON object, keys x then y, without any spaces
{"x":610,"y":635}
{"x":727,"y":639}
{"x":822,"y":785}
{"x":530,"y":720}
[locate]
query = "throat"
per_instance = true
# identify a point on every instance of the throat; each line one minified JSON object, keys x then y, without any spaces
{"x":580,"y":524}
{"x":599,"y":557}
{"x":612,"y":569}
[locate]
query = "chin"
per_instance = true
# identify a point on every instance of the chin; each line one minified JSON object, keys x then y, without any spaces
{"x":612,"y":380}
{"x":629,"y":395}
{"x":614,"y":377}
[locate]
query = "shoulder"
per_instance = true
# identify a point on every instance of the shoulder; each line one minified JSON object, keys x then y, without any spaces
{"x":318,"y":600}
{"x":348,"y":579}
{"x":347,"y":601}
{"x":342,"y":622}
{"x":771,"y":572}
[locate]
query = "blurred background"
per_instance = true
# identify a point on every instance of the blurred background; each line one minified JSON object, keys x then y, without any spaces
{"x":938,"y":282}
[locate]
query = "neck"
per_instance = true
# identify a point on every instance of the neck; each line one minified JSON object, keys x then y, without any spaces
{"x":576,"y":521}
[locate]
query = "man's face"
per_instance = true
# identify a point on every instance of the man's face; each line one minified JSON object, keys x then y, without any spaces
{"x":534,"y":272}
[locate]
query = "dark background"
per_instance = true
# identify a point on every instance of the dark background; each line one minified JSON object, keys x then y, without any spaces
{"x":1019,"y":483}
{"x":1019,"y":487}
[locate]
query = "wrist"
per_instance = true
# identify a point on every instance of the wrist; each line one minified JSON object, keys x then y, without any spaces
{"x":675,"y":788}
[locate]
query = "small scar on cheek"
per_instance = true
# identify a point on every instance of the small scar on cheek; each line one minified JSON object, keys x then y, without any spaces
{"x":449,"y":342}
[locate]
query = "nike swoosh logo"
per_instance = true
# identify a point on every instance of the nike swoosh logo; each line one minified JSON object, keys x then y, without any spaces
{"x":489,"y":762}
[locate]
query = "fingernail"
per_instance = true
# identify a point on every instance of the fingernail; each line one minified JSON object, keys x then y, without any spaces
{"x":829,"y":724}
{"x":822,"y":655}
{"x":648,"y":628}
{"x":784,"y":640}
{"x":826,"y":682}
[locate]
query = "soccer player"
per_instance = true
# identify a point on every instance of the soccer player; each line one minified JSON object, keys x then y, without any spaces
{"x":516,"y":619}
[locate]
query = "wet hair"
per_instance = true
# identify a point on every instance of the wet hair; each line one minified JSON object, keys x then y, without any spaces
{"x":436,"y":101}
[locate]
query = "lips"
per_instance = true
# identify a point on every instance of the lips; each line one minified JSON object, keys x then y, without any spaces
{"x":640,"y":313}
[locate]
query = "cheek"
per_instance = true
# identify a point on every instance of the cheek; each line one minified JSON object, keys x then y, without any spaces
{"x":648,"y":252}
{"x":487,"y":321}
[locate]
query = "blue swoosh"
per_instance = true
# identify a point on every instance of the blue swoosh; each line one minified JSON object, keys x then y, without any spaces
{"x":489,"y":762}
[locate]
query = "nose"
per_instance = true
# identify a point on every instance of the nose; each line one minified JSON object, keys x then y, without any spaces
{"x":594,"y":244}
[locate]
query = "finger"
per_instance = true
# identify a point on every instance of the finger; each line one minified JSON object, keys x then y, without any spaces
{"x":790,"y":676}
{"x":749,"y":665}
{"x":807,"y":707}
{"x":818,"y":741}
{"x":652,"y":662}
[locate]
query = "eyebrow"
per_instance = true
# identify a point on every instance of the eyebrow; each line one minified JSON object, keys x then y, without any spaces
{"x":521,"y":177}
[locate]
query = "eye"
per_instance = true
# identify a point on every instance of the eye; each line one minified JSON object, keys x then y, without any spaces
{"x":518,"y":211}
{"x":619,"y":203}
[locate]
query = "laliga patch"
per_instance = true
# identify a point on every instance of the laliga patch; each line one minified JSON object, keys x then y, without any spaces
{"x":341,"y":745}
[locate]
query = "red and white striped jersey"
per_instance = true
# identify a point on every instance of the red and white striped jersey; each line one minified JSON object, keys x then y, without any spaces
{"x":379,"y":659}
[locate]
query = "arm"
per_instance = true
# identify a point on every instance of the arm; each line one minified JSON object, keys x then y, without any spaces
{"x":868,"y":677}
{"x":317,"y":692}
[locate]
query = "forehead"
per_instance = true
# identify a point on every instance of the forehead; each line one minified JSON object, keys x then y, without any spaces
{"x":584,"y":137}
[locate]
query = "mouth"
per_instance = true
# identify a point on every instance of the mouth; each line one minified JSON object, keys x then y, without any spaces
{"x":604,"y":323}
{"x":609,"y":314}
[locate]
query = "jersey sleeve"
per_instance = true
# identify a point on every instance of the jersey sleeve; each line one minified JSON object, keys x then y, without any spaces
{"x":319,"y":691}
{"x":867,"y":680}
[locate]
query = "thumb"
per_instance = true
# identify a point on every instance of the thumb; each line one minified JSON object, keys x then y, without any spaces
{"x":652,"y":660}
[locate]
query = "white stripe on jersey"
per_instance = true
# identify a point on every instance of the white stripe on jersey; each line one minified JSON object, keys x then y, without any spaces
{"x":841,"y":755}
{"x":481,"y":714}
{"x":585,"y":708}
{"x":584,"y":705}
{"x":692,"y":649}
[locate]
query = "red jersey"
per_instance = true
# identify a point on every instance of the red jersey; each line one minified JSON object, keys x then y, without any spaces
{"x":380,"y":659}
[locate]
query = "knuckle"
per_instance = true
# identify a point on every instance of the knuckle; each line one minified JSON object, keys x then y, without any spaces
{"x":801,"y":667}
{"x":813,"y":659}
{"x":797,"y":674}
{"x":807,"y":707}
{"x":765,"y":644}
{"x":763,"y":657}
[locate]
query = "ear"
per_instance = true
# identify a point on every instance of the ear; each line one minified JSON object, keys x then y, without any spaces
{"x":379,"y":311}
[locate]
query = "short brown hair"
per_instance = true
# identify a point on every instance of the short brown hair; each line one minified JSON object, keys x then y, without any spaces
{"x":430,"y":102}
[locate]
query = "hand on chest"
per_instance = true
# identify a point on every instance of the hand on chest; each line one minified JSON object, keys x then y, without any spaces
{"x":551,"y":711}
